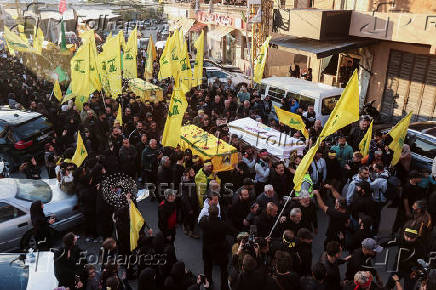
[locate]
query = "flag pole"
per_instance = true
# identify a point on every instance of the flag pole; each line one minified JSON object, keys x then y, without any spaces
{"x":280,"y":214}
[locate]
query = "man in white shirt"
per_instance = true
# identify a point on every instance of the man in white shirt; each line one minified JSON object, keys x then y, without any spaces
{"x":212,"y":199}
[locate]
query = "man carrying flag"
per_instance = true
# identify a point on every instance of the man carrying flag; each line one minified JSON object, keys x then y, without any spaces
{"x":345,"y":112}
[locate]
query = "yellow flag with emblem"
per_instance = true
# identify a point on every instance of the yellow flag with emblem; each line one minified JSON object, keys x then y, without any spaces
{"x":199,"y":58}
{"x":345,"y":112}
{"x":94,"y":72}
{"x":81,"y":153}
{"x":184,"y":69}
{"x":15,"y":43}
{"x":175,"y":53}
{"x":38,"y":39}
{"x":120,"y":115}
{"x":136,"y":223}
{"x":150,"y":57}
{"x":176,"y":111}
{"x":81,"y":85}
{"x":398,"y":134}
{"x":292,"y":120}
{"x":121,"y":39}
{"x":112,"y":56}
{"x":57,"y":91}
{"x":101,"y":62}
{"x":366,"y":140}
{"x":164,"y":61}
{"x":129,"y":56}
{"x":22,"y":34}
{"x":259,"y":63}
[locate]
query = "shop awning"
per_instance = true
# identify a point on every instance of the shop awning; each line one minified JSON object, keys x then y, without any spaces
{"x":197,"y":27}
{"x":317,"y":48}
{"x":220,"y":32}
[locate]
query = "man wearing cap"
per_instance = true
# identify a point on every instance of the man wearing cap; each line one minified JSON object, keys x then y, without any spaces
{"x":362,"y":259}
{"x":344,"y":152}
{"x":167,"y":215}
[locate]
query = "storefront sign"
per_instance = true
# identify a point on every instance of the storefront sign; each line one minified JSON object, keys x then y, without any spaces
{"x":220,"y":19}
{"x":402,"y":27}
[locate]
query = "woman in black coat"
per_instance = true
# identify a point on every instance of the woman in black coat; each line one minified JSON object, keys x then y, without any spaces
{"x":189,"y":202}
{"x":41,"y":224}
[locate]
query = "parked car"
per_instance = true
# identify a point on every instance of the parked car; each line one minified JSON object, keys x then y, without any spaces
{"x":421,"y":137}
{"x":18,"y":274}
{"x":212,"y":63}
{"x":213,"y":73}
{"x":16,"y":198}
{"x":22,"y":134}
{"x":323,"y":97}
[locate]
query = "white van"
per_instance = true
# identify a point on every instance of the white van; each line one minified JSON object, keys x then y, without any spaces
{"x":323,"y":97}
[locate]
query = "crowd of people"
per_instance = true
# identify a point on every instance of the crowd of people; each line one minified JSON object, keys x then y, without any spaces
{"x":236,"y":212}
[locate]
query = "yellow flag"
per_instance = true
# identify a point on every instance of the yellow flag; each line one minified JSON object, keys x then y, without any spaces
{"x":112,"y":56}
{"x":15,"y":43}
{"x":121,"y":39}
{"x":81,"y":85}
{"x":80,"y":153}
{"x":175,"y":53}
{"x":22,"y":34}
{"x":57,"y":91}
{"x":292,"y":120}
{"x":366,"y":140}
{"x":120,"y":115}
{"x":94,"y":72}
{"x":176,"y":111}
{"x":136,"y":223}
{"x":184,"y":69}
{"x":398,"y":134}
{"x":345,"y":112}
{"x":129,"y":56}
{"x":259,"y":63}
{"x":101,"y":62}
{"x":150,"y":57}
{"x":164,"y":61}
{"x":198,"y":67}
{"x":38,"y":39}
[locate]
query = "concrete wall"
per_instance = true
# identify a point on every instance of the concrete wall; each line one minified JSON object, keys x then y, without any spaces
{"x":380,"y":66}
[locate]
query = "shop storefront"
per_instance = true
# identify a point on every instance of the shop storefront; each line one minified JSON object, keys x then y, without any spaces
{"x":225,"y":39}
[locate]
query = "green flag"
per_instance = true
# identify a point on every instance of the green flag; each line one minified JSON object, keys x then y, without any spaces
{"x":62,"y":75}
{"x":63,"y":40}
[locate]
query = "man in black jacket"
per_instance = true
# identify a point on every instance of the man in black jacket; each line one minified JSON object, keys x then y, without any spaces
{"x":361,"y":259}
{"x":357,"y":133}
{"x":215,"y":246}
{"x":280,"y":179}
{"x":240,"y":209}
{"x":128,"y":158}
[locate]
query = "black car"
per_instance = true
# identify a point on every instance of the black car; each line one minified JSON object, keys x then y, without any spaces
{"x":23,"y":134}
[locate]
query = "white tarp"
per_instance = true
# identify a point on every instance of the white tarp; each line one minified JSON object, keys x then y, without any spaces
{"x":263,"y":137}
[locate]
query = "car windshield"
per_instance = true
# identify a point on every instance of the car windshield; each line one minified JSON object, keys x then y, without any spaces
{"x":33,"y":190}
{"x":14,"y":275}
{"x":31,"y":128}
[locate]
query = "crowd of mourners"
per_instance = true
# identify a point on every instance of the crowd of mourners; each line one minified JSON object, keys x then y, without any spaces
{"x":234,"y":212}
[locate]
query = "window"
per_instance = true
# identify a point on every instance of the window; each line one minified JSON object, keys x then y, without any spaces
{"x":31,"y":128}
{"x":276,"y":94}
{"x":217,"y":74}
{"x":303,"y":101}
{"x":328,"y":104}
{"x":423,"y":147}
{"x":8,"y":212}
{"x":33,"y":190}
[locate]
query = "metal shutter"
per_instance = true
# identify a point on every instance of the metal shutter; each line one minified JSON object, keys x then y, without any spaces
{"x":410,"y":87}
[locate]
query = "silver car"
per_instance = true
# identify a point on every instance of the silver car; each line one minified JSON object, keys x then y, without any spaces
{"x":16,"y":197}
